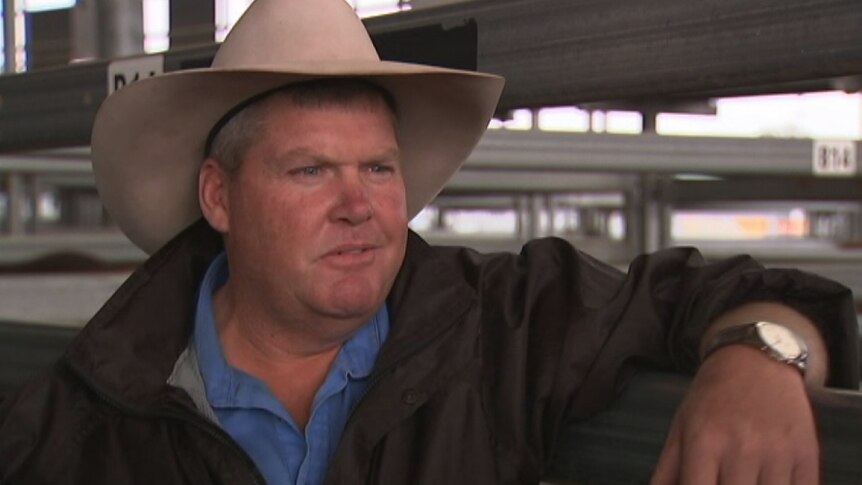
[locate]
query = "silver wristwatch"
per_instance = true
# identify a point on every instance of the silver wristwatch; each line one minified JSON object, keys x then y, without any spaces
{"x":776,"y":340}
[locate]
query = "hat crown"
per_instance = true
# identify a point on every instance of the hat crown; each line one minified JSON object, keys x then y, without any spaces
{"x":274,"y":33}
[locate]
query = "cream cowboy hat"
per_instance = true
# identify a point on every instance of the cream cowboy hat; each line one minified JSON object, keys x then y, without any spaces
{"x":148,"y":138}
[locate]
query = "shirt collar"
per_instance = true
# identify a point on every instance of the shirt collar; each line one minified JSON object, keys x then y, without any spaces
{"x":213,"y":366}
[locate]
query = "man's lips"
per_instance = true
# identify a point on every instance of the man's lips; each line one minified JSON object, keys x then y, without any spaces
{"x":348,"y":254}
{"x":347,"y":249}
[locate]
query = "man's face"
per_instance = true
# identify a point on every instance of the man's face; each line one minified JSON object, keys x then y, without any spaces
{"x":316,"y":212}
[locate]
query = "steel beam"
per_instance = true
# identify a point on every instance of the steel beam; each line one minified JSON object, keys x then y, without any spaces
{"x":570,"y":51}
{"x":741,"y":191}
{"x":554,"y":161}
{"x":553,"y":52}
{"x":592,"y":152}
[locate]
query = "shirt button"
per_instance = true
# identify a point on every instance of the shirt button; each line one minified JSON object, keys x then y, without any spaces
{"x":409,"y":397}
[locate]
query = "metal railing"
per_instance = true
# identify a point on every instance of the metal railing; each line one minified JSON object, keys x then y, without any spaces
{"x":618,"y":446}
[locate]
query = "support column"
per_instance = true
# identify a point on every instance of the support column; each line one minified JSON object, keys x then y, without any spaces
{"x":551,"y":211}
{"x":536,"y":210}
{"x":9,"y":36}
{"x":522,"y":221}
{"x":32,"y":189}
{"x":192,"y":23}
{"x":654,"y":218}
{"x":17,"y":195}
{"x":649,"y":118}
{"x":635,"y":232}
{"x":107,"y":29}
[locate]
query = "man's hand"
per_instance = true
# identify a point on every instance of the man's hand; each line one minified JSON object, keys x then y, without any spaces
{"x":746,"y":420}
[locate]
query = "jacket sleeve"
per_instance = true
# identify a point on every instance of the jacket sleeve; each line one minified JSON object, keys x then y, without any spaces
{"x":558,"y":331}
{"x":590,"y":325}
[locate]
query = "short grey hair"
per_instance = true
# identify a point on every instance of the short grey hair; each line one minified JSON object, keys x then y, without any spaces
{"x":231,"y":138}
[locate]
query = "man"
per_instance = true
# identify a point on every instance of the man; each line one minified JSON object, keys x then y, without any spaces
{"x":301,"y":334}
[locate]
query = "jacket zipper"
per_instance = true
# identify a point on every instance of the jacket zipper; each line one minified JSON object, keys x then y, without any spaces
{"x":187,"y":418}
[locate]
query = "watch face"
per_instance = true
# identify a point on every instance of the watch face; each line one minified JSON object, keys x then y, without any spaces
{"x":780,"y":339}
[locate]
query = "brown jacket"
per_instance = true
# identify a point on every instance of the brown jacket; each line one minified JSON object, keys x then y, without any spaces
{"x":488,"y":355}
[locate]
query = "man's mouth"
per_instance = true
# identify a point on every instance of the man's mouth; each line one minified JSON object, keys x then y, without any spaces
{"x":351,"y":251}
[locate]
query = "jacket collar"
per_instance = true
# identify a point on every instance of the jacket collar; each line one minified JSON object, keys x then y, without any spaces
{"x":128,"y":350}
{"x":424,"y":280}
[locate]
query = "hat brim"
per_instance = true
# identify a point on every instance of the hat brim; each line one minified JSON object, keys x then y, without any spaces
{"x":148,"y":138}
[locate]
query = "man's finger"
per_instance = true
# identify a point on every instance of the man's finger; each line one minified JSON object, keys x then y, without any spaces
{"x":807,"y":470}
{"x":740,"y":469}
{"x":668,"y":463}
{"x":776,"y":473}
{"x":698,"y":468}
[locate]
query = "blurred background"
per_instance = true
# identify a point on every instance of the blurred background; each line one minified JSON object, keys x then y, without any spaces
{"x":624,"y":128}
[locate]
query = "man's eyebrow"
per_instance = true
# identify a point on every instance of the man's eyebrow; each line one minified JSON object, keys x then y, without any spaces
{"x":390,"y":155}
{"x":293,"y":155}
{"x":307,"y":155}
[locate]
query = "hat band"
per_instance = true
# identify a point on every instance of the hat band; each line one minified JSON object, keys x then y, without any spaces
{"x":217,"y":127}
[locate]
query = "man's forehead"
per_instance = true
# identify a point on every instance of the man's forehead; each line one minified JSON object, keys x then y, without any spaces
{"x":299,"y":118}
{"x":288,"y":101}
{"x":328,"y":92}
{"x":319,"y":155}
{"x":346,"y":93}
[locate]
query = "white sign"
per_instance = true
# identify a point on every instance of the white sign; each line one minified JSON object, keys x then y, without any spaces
{"x":126,"y":71}
{"x":834,"y":158}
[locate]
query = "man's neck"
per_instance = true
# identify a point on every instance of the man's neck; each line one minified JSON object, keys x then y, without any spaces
{"x":294,"y":365}
{"x":294,"y":379}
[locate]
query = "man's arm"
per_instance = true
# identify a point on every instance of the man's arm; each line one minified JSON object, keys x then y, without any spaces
{"x":746,"y":418}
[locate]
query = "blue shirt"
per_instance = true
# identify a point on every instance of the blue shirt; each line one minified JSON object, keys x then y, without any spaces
{"x":257,"y":421}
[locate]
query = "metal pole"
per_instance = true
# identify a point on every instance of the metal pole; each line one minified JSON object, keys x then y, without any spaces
{"x":192,"y":23}
{"x":9,"y":36}
{"x":107,"y":29}
{"x":122,"y":28}
{"x":653,"y":223}
{"x":15,"y":206}
{"x":86,"y":34}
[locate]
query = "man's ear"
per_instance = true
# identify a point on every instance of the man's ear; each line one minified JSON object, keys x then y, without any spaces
{"x":213,"y":195}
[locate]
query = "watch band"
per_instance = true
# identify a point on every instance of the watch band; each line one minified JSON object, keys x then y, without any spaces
{"x":785,"y":347}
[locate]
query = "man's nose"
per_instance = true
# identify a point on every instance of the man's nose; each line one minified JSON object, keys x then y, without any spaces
{"x":354,"y":201}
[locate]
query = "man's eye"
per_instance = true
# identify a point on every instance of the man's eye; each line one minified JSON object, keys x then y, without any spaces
{"x":309,"y":171}
{"x":381,"y":169}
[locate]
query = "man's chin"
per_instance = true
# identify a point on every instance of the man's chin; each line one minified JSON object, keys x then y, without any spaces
{"x":353,"y":317}
{"x":355,"y":291}
{"x":351,"y":309}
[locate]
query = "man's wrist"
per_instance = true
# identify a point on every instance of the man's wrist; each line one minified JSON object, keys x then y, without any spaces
{"x":777,"y":341}
{"x":771,"y":311}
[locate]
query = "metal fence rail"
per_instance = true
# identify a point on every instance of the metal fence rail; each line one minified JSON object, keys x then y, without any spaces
{"x":622,"y":444}
{"x":618,"y":446}
{"x":27,"y":349}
